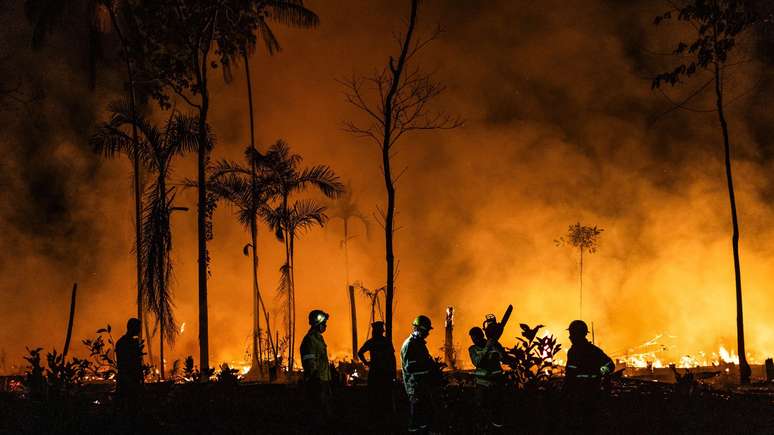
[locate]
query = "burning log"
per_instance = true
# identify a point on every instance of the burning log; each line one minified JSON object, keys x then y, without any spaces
{"x":353,"y":312}
{"x":448,"y":347}
{"x":70,"y":322}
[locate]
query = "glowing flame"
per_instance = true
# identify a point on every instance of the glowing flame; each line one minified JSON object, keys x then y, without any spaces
{"x":728,"y":358}
{"x":182,"y":327}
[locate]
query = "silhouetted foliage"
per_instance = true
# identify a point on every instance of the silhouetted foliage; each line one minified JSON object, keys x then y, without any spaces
{"x":586,"y":240}
{"x":246,"y":188}
{"x":157,"y":146}
{"x":288,"y":219}
{"x":179,"y":41}
{"x":532,"y":359}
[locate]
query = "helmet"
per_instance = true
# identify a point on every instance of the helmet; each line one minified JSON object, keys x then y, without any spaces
{"x":489,"y":320}
{"x":422,"y":322}
{"x":476,"y":332}
{"x":378,"y":325}
{"x":317,"y":317}
{"x":578,"y":327}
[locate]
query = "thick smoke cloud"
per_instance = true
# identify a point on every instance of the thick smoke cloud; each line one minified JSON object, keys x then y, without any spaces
{"x":561,"y":127}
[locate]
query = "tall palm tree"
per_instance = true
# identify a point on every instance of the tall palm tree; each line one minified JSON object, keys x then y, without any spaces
{"x":157,"y":148}
{"x":294,"y":14}
{"x":288,"y":219}
{"x":245,"y":188}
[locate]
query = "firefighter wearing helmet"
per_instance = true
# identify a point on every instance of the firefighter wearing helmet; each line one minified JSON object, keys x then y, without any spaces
{"x":586,"y":366}
{"x":421,"y":375}
{"x":487,"y":355}
{"x":317,"y":374}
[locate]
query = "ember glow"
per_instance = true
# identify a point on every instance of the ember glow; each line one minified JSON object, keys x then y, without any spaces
{"x":553,"y":136}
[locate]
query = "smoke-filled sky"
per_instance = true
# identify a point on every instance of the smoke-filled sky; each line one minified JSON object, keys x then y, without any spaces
{"x":561,"y":127}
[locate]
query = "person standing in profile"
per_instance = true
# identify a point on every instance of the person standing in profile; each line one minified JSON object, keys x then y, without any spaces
{"x":317,"y":371}
{"x":130,"y":379}
{"x":381,"y":374}
{"x":587,"y":365}
{"x":421,"y":376}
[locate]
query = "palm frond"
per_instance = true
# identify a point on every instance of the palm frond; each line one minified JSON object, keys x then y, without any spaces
{"x":156,"y":247}
{"x":184,"y":134}
{"x":305,"y":214}
{"x":268,"y":38}
{"x":284,"y":285}
{"x":110,"y":141}
{"x":291,"y":13}
{"x":322,"y":177}
{"x":275,"y":218}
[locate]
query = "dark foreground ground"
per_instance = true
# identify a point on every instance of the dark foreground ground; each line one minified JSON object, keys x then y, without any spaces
{"x":630,"y":407}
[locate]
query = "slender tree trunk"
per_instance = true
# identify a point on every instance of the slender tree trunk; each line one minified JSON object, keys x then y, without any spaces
{"x":744,"y":367}
{"x":70,"y":323}
{"x":389,"y":219}
{"x":293,"y":293}
{"x":162,"y":265}
{"x":271,"y":343}
{"x":448,"y":347}
{"x":135,"y":162}
{"x":289,"y":267}
{"x":388,"y":234}
{"x":253,"y":225}
{"x":149,"y":340}
{"x":580,"y":278}
{"x":161,"y":347}
{"x":201,"y":209}
{"x":353,"y":313}
{"x":350,"y":290}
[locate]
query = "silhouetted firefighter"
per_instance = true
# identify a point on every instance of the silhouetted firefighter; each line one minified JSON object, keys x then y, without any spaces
{"x":129,"y":363}
{"x":317,"y":373}
{"x":381,"y":374}
{"x":586,"y":366}
{"x":487,"y":355}
{"x":421,"y":376}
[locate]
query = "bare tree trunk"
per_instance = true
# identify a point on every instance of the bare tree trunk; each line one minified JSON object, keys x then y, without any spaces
{"x":388,"y":234}
{"x":289,"y":266}
{"x":580,"y":277}
{"x":70,"y":323}
{"x":253,"y":226}
{"x":389,"y":220}
{"x":448,"y":347}
{"x":161,"y":347}
{"x":293,"y":303}
{"x":204,"y":356}
{"x":162,"y":263}
{"x":149,"y":339}
{"x":353,"y":313}
{"x":350,"y":290}
{"x":744,"y":367}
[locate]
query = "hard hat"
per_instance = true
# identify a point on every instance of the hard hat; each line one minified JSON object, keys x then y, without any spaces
{"x":476,"y":332}
{"x":422,"y":322}
{"x":317,"y":317}
{"x":578,"y":327}
{"x":489,"y":320}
